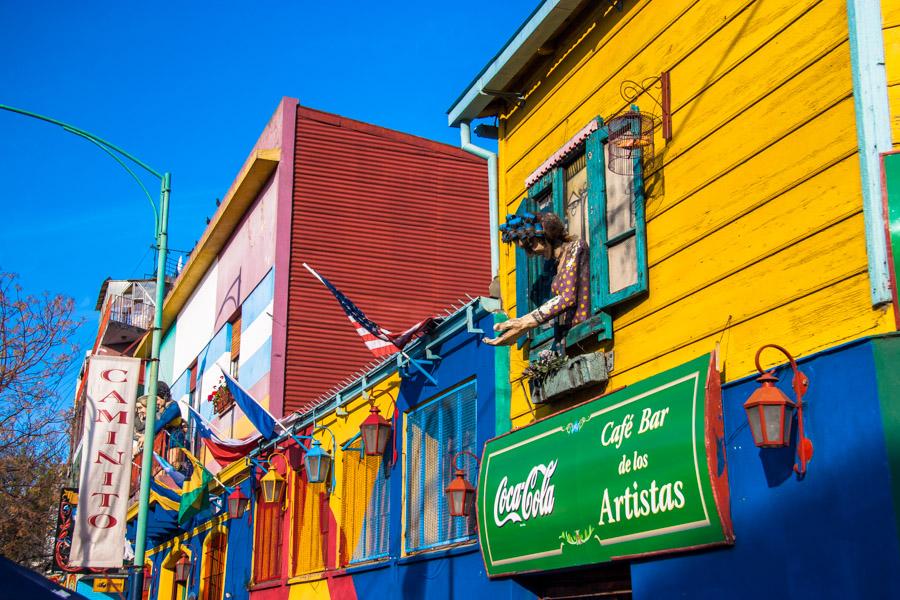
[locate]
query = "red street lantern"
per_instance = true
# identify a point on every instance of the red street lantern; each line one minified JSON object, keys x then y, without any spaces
{"x":237,"y":503}
{"x":375,"y":432}
{"x":182,"y":569}
{"x":460,"y":492}
{"x":770,"y":411}
{"x":459,"y":495}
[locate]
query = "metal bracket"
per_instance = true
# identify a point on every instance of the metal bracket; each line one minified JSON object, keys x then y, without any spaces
{"x":470,"y":325}
{"x":517,"y":98}
{"x":346,"y":445}
{"x":430,"y":356}
{"x":340,"y":411}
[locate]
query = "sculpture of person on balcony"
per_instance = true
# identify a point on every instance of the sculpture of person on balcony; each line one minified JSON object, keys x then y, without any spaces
{"x":545,"y":235}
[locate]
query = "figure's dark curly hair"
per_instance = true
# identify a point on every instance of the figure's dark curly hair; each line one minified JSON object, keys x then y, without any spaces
{"x":524,"y":229}
{"x":554,"y":230}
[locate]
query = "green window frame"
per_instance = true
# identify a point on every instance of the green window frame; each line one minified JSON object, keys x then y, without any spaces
{"x":609,"y":240}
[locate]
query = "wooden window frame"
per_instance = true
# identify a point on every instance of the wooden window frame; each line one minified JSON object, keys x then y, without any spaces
{"x":206,"y":574}
{"x":305,"y":533}
{"x":234,"y":323}
{"x":420,"y":495}
{"x":267,"y":545}
{"x":350,"y":486}
{"x":553,"y":183}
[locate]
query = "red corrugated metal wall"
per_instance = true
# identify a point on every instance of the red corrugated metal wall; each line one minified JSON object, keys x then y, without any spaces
{"x":396,"y":222}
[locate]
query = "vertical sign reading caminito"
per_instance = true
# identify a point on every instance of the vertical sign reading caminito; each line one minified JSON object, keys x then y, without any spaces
{"x":637,"y":472}
{"x":99,"y":534}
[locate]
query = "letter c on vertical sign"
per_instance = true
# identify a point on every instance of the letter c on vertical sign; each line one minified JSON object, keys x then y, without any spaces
{"x":106,"y":375}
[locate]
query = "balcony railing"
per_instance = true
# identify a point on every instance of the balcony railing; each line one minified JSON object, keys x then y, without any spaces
{"x":130,"y":311}
{"x":163,"y":446}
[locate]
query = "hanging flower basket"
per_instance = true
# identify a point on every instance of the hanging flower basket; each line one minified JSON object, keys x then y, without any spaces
{"x":553,"y":375}
{"x":221,"y":397}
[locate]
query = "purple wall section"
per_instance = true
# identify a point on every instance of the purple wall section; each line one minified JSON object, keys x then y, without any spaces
{"x":287,"y":112}
{"x":248,"y":256}
{"x":250,"y":252}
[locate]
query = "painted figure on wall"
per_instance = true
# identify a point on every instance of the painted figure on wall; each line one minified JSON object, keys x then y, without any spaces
{"x":544,"y":235}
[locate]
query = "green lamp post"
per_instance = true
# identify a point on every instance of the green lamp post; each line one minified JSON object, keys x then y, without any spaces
{"x":161,"y":219}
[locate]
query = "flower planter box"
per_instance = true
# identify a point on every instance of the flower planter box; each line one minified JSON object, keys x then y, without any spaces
{"x":580,"y":372}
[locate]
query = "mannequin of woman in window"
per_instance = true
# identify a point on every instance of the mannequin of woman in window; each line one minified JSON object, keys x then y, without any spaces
{"x":545,"y":235}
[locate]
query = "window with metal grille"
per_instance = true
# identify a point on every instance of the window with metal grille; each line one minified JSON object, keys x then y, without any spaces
{"x":310,"y":528}
{"x":267,"y":542}
{"x":435,"y":432}
{"x":365,"y":506}
{"x":212,"y":586}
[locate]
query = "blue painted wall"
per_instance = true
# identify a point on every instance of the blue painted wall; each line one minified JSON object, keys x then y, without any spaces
{"x":831,"y":535}
{"x":457,"y":573}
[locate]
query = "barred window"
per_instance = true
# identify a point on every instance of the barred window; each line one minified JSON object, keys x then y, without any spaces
{"x":435,"y":432}
{"x":267,"y":542}
{"x":213,"y":584}
{"x":309,"y":528}
{"x":365,"y":507}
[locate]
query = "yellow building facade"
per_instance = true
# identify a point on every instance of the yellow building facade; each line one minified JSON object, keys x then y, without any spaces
{"x":755,"y":230}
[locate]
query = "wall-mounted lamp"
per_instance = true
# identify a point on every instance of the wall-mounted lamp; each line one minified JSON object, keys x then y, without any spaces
{"x":770,"y":412}
{"x":182,"y":569}
{"x":271,"y":484}
{"x":238,"y":502}
{"x":460,"y":492}
{"x":317,"y":462}
{"x":375,"y":432}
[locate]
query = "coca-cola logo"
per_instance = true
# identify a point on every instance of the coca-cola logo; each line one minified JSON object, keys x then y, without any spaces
{"x":527,"y":499}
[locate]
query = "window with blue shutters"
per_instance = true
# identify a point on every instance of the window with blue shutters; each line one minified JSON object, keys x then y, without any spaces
{"x":435,"y":432}
{"x":606,"y":210}
{"x":365,"y":507}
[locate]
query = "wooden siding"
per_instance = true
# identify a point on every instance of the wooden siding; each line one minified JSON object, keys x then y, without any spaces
{"x":396,"y":222}
{"x":890,"y":19}
{"x":755,"y":228}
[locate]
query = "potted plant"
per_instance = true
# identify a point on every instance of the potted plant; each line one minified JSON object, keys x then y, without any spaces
{"x":221,"y":397}
{"x":552,"y":374}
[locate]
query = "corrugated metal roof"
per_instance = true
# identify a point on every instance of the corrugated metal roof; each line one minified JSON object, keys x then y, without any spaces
{"x":397,"y":222}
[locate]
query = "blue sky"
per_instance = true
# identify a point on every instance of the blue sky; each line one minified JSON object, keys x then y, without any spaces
{"x":188,"y":87}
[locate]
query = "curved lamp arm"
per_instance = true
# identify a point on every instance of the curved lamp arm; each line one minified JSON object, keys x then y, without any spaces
{"x":455,"y":459}
{"x":800,"y":383}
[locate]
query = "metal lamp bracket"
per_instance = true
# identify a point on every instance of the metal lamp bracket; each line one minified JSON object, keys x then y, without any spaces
{"x":800,"y":383}
{"x":631,"y":90}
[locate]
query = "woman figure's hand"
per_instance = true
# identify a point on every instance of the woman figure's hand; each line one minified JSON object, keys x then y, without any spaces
{"x":509,"y":331}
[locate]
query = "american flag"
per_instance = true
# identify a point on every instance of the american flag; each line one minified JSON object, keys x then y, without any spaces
{"x":378,"y":340}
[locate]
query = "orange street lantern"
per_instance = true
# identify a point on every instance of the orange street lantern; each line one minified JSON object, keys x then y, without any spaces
{"x":375,"y":432}
{"x":770,"y":413}
{"x":460,"y":494}
{"x":237,"y":503}
{"x":182,"y":569}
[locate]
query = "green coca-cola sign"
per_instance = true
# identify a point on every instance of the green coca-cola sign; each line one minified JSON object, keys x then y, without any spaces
{"x":636,"y":472}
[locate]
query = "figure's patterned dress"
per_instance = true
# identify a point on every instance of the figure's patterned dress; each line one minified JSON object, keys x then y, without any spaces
{"x":571,"y":287}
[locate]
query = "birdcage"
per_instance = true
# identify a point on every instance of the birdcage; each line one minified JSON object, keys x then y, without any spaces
{"x":630,"y":140}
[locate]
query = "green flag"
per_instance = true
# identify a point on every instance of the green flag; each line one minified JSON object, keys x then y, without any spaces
{"x":194,"y":491}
